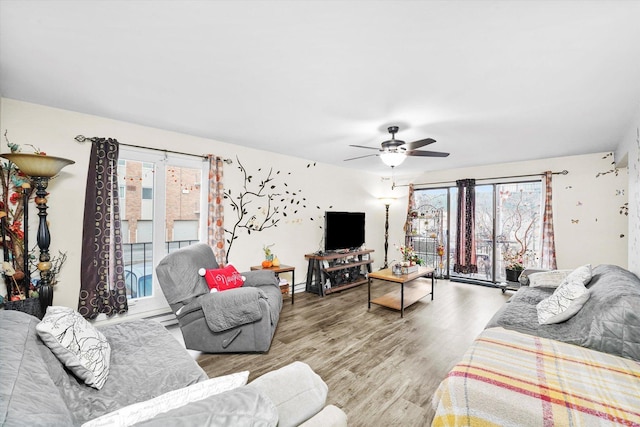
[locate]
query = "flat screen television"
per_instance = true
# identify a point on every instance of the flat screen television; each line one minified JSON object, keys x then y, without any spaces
{"x":343,"y":230}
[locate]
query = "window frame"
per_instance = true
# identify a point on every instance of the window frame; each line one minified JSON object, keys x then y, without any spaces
{"x":157,"y":304}
{"x":496,"y":256}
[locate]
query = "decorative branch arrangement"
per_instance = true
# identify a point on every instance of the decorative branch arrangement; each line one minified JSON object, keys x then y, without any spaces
{"x":19,"y":264}
{"x":16,"y":192}
{"x":521,"y":226}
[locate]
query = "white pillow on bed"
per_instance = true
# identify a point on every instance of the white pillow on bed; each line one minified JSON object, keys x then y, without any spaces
{"x":548,"y":279}
{"x":581,"y":274}
{"x":555,"y":278}
{"x":563,"y":304}
{"x":143,"y":411}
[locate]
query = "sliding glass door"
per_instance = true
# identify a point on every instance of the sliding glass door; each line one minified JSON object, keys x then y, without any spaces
{"x":507,"y":220}
{"x":484,"y":214}
{"x":428,"y":232}
{"x":519,"y":224}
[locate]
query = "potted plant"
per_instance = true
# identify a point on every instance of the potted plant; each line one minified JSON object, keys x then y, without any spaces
{"x":15,"y":191}
{"x":268,"y":256}
{"x":518,"y":230}
{"x":514,"y":264}
{"x":19,"y":265}
{"x":410,"y":260}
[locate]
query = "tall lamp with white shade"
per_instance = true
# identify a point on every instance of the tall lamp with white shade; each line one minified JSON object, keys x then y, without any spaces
{"x":40,"y":169}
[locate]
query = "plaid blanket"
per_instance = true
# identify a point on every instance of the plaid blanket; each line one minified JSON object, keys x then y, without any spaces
{"x":508,"y":378}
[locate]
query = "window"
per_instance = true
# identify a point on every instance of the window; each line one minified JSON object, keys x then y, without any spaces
{"x":508,"y":218}
{"x":518,"y":222}
{"x":158,"y":217}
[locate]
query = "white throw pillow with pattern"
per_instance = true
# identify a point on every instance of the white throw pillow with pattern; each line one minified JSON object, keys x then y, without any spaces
{"x":83,"y":349}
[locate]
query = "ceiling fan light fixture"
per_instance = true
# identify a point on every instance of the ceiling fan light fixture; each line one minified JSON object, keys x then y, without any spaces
{"x":392,"y":158}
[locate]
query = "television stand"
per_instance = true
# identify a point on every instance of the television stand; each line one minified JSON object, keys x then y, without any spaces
{"x":343,"y":270}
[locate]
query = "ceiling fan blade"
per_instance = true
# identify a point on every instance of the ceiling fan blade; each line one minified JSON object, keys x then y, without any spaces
{"x":363,"y":146}
{"x":421,"y":143}
{"x":420,"y":153}
{"x":360,"y":157}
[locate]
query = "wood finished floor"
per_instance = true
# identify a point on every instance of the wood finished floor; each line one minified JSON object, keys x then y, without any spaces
{"x":381,"y":369}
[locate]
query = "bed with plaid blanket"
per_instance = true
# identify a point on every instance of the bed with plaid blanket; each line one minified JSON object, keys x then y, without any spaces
{"x":510,"y":378}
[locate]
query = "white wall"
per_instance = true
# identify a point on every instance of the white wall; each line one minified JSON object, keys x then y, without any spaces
{"x":587,"y":222}
{"x":628,"y":153}
{"x":53,"y":131}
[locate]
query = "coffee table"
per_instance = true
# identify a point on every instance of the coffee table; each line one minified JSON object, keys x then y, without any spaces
{"x":401,"y":298}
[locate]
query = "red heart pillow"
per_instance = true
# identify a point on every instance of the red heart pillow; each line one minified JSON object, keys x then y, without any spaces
{"x":222,"y":279}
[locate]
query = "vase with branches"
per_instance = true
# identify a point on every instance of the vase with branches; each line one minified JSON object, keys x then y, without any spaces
{"x":16,"y":191}
{"x":519,"y":225}
{"x":20,"y":264}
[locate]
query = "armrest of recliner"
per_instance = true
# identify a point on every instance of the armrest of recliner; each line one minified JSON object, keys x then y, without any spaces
{"x":296,"y":390}
{"x":231,"y":308}
{"x":260,"y":278}
{"x":194,"y":305}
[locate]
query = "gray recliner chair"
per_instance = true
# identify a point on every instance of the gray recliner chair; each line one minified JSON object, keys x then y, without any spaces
{"x":233,"y":321}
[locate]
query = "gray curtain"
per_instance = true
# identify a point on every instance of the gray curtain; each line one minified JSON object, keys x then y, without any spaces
{"x":466,"y":262}
{"x":102,"y":286}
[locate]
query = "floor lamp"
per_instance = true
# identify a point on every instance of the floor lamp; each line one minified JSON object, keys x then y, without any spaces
{"x":40,"y":169}
{"x":387,"y":202}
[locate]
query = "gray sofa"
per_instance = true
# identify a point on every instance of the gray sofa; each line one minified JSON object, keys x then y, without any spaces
{"x":608,"y":322}
{"x":146,"y":361}
{"x":582,"y":371}
{"x":234,"y":321}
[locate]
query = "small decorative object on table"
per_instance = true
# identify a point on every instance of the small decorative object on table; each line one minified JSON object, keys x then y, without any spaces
{"x":410,"y":260}
{"x":396,"y":268}
{"x":409,"y":269}
{"x":409,"y":255}
{"x":268,"y":256}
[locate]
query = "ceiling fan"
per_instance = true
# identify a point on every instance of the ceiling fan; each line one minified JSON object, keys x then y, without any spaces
{"x":394,"y":151}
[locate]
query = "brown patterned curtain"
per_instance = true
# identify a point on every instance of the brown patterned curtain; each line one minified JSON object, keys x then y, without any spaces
{"x":466,"y":236}
{"x":548,"y":255}
{"x":215,"y":215}
{"x":102,"y":287}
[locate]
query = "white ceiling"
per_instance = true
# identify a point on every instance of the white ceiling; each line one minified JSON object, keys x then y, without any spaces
{"x":491,"y":81}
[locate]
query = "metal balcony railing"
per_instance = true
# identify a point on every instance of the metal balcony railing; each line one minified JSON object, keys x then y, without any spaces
{"x":138,"y":262}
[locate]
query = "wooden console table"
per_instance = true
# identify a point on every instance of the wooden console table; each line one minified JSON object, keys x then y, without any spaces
{"x":343,"y":269}
{"x":404,"y":298}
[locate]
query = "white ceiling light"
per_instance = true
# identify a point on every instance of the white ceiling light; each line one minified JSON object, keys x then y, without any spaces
{"x":392,"y":158}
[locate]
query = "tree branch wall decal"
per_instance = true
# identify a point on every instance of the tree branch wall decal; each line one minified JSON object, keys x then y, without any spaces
{"x":262,"y":202}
